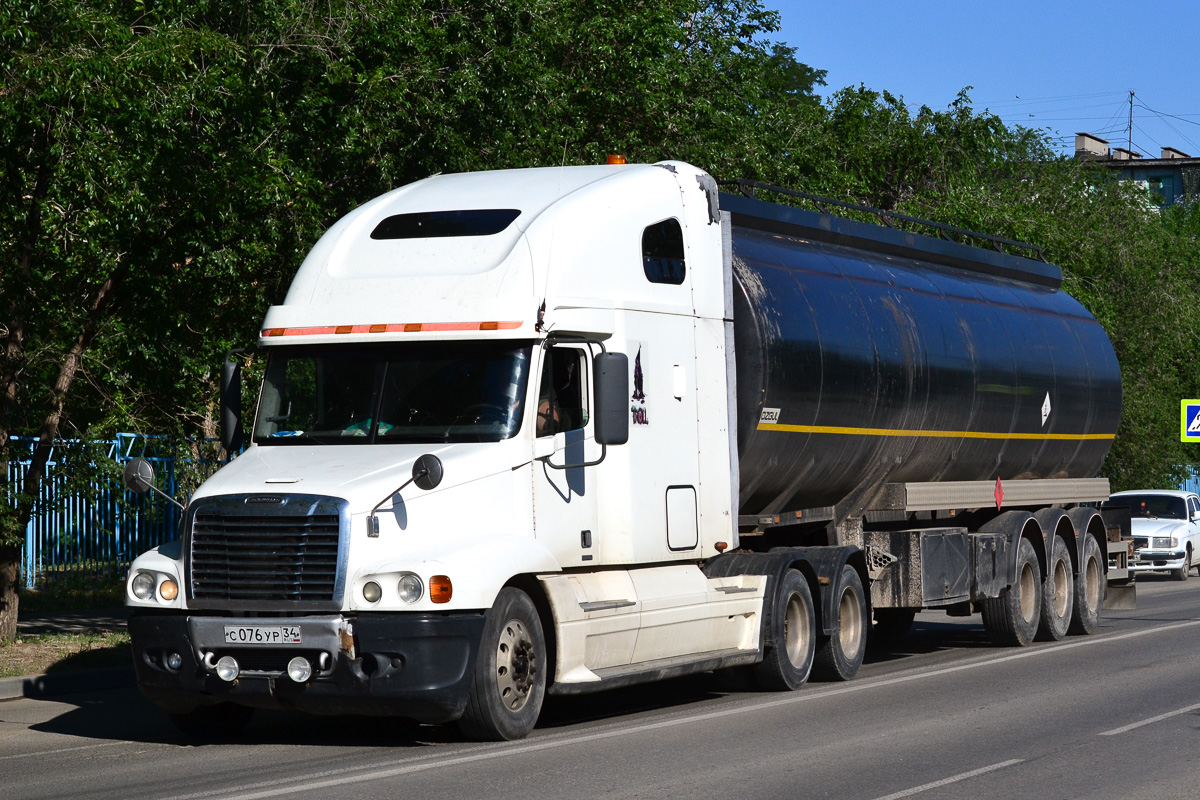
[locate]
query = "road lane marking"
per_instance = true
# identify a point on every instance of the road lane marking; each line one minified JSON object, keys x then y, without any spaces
{"x":61,"y":750}
{"x":1151,"y":720}
{"x":962,"y":776}
{"x":343,"y":776}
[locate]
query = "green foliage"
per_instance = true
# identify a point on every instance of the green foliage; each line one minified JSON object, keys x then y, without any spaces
{"x":168,"y":164}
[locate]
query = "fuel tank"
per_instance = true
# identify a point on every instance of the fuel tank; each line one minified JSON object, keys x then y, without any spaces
{"x":867,"y":355}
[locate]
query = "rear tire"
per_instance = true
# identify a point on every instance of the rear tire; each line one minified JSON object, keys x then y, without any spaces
{"x":509,"y":683}
{"x":1012,"y":618}
{"x":839,"y":656}
{"x":1058,"y":593}
{"x":788,"y":658}
{"x":1089,"y":590}
{"x":213,"y":723}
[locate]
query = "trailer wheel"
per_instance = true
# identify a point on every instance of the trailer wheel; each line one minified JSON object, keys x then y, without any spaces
{"x":1058,"y":594}
{"x":509,"y":683}
{"x":1089,"y":590}
{"x":1012,"y":618}
{"x":788,"y":659}
{"x":891,"y":626}
{"x":213,"y":723}
{"x":839,"y":656}
{"x":1181,"y":574}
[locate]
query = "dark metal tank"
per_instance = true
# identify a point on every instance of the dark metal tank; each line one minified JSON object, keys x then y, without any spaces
{"x":867,"y":355}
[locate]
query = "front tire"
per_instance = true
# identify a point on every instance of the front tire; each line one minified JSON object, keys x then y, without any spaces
{"x":509,"y":683}
{"x":1058,"y":593}
{"x":1012,"y":618}
{"x":788,"y":659}
{"x":839,"y":656}
{"x":1181,"y":574}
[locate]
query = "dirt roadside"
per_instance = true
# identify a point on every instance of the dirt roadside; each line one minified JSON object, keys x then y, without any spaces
{"x":65,"y":642}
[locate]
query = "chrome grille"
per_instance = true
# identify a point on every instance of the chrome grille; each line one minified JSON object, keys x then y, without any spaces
{"x":239,"y":551}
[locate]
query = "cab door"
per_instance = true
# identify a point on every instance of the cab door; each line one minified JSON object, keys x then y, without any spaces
{"x":564,"y":491}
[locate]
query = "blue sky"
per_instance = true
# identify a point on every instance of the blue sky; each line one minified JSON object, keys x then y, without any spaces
{"x":1066,"y":66}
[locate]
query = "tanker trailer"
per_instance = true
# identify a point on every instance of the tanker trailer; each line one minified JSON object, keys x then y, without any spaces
{"x":943,"y":407}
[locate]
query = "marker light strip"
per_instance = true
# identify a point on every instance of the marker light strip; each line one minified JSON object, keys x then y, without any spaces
{"x":395,"y":327}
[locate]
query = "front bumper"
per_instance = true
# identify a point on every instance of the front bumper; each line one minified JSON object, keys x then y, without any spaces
{"x":417,"y":666}
{"x":1145,"y":560}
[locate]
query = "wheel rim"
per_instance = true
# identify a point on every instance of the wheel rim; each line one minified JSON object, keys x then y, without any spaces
{"x":1029,"y":585}
{"x":796,"y":631}
{"x":1091,"y":587}
{"x":1062,"y":585}
{"x":849,"y":623}
{"x":516,"y":665}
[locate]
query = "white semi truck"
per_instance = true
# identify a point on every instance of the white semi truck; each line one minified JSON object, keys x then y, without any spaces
{"x":552,"y":431}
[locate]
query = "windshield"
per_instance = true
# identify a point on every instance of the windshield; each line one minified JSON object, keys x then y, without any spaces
{"x":430,"y":392}
{"x":1159,"y":506}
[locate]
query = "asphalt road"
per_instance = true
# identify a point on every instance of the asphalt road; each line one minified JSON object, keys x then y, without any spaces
{"x":1115,"y":715}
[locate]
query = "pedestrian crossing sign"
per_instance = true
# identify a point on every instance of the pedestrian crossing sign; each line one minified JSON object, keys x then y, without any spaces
{"x":1189,"y":420}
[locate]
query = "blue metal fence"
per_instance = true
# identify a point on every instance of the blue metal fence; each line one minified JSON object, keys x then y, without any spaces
{"x":86,"y":527}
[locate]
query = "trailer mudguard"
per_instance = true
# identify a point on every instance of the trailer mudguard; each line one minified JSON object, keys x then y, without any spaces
{"x":1088,"y":522}
{"x":1013,"y":525}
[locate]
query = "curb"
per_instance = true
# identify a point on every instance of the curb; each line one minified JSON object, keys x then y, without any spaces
{"x":56,"y":683}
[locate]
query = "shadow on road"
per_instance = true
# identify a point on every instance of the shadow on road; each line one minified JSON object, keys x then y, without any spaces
{"x":125,"y":715}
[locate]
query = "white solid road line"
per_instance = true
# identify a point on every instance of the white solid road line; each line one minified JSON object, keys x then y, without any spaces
{"x":62,"y":750}
{"x":1151,"y":720}
{"x":352,"y":775}
{"x":962,"y":776}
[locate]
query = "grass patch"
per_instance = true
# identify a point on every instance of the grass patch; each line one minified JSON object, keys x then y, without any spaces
{"x":56,"y":600}
{"x":34,"y":654}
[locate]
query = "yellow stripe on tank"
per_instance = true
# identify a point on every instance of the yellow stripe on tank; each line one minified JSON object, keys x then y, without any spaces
{"x":1076,"y":437}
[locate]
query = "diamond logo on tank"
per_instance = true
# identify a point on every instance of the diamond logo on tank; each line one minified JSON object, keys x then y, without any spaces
{"x":1045,"y":409}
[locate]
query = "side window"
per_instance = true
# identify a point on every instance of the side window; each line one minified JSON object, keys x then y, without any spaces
{"x":662,"y":252}
{"x":562,"y":399}
{"x":1193,"y":505}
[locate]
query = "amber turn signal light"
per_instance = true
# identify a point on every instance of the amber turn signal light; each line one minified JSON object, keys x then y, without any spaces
{"x":616,"y":159}
{"x":440,"y":589}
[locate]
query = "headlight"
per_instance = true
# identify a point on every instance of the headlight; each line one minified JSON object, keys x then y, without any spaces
{"x":410,"y":588}
{"x":143,"y":585}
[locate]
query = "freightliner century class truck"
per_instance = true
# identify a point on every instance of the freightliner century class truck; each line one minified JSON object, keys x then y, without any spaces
{"x":552,"y":431}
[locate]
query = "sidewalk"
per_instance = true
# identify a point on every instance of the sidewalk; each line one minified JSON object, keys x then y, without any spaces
{"x":83,"y":680}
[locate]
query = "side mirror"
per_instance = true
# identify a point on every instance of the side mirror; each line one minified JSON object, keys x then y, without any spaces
{"x":139,"y":476}
{"x":427,"y":472}
{"x":231,"y":405}
{"x":611,"y":386}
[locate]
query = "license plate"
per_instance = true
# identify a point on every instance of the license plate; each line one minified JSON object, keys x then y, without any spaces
{"x":262,"y":634}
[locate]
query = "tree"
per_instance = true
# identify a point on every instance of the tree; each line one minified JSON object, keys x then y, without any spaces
{"x":167,"y":164}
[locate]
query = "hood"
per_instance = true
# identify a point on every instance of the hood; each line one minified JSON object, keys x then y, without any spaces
{"x":363,"y":475}
{"x":1142,"y":526}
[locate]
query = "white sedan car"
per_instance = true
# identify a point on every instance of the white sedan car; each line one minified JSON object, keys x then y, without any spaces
{"x":1166,"y":530}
